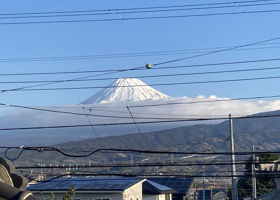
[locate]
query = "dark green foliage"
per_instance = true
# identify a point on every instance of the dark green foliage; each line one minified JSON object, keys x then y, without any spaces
{"x":264,"y":183}
{"x":67,"y":196}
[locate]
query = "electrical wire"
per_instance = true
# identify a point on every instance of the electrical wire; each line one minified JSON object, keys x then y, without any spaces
{"x":109,"y":12}
{"x":31,"y":87}
{"x":69,"y":80}
{"x":145,"y":105}
{"x":138,"y":128}
{"x":138,"y":18}
{"x":125,"y":55}
{"x":155,"y":114}
{"x":136,"y":68}
{"x":206,"y":101}
{"x":61,"y":151}
{"x":148,"y":76}
{"x":93,"y":129}
{"x":140,"y":122}
{"x":134,"y":8}
{"x":28,"y":88}
{"x":216,"y":51}
{"x":88,"y":114}
{"x":182,"y":175}
{"x":135,"y":165}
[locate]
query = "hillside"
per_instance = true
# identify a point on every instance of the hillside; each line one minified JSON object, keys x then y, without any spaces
{"x":262,"y":132}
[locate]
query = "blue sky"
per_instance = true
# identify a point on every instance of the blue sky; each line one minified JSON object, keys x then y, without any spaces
{"x":97,"y":38}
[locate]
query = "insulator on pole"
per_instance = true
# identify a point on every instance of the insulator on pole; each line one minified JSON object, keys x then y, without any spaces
{"x":149,"y":66}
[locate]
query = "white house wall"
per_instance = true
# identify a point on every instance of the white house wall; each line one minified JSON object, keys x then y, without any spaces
{"x":161,"y":197}
{"x":83,"y":196}
{"x":134,"y":192}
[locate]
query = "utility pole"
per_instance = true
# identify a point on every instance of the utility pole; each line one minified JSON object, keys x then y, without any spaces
{"x":131,"y":159}
{"x":233,"y":167}
{"x":254,"y":183}
{"x":203,"y":184}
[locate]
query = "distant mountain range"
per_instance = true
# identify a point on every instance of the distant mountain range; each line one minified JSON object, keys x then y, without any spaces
{"x":126,"y":90}
{"x":264,"y":133}
{"x":109,"y":106}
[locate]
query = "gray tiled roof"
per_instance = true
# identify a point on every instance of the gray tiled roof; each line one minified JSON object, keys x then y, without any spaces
{"x":85,"y":184}
{"x":180,"y":185}
{"x":150,"y":187}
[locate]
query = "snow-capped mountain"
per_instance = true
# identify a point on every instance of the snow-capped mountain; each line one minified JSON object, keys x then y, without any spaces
{"x":124,"y":90}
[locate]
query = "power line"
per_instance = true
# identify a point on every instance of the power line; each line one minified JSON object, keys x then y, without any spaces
{"x":26,"y":88}
{"x":207,"y":101}
{"x":148,"y":113}
{"x":139,"y":122}
{"x":109,"y":12}
{"x":134,"y":165}
{"x":69,"y":80}
{"x":137,"y":18}
{"x":139,"y":164}
{"x":181,"y":175}
{"x":134,"y":8}
{"x":145,"y":105}
{"x":158,"y":172}
{"x":80,"y":114}
{"x":60,"y":150}
{"x":136,"y":68}
{"x":147,"y":76}
{"x":125,"y":55}
{"x":93,"y":129}
{"x":138,"y":128}
{"x":216,"y":51}
{"x":88,"y":174}
{"x":76,"y":167}
{"x":133,"y":86}
{"x":94,"y":108}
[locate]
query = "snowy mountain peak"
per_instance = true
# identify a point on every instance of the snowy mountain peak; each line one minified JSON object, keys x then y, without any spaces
{"x":126,"y":90}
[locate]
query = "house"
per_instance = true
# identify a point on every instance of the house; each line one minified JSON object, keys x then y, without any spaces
{"x":100,"y":188}
{"x":184,"y":187}
{"x":91,"y":188}
{"x":155,"y":191}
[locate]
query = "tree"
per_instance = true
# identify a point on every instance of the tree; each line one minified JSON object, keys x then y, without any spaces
{"x":264,"y":183}
{"x":67,"y":196}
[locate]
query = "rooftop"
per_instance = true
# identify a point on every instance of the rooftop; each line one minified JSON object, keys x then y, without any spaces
{"x":85,"y":184}
{"x":180,"y":185}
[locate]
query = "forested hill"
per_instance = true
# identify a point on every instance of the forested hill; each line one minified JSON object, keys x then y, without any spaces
{"x":263,"y":132}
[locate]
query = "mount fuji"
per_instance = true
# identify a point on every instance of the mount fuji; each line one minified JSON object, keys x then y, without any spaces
{"x":107,"y":111}
{"x":126,"y":90}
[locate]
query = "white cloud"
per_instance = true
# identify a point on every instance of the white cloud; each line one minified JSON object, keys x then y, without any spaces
{"x":188,"y":109}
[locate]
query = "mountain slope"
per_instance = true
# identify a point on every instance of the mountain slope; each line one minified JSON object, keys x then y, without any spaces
{"x":123,"y":90}
{"x":262,"y":132}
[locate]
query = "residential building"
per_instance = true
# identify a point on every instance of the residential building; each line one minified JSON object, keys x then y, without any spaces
{"x":100,"y":188}
{"x":184,"y":187}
